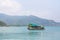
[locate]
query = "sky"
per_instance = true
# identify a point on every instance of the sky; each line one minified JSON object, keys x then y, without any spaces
{"x":48,"y":9}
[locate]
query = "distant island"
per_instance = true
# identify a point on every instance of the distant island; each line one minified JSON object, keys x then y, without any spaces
{"x":25,"y":20}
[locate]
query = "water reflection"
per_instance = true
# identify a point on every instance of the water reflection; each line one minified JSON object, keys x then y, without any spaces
{"x":34,"y":33}
{"x":26,"y":35}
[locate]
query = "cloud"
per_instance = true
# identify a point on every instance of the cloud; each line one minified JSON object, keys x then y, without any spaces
{"x":12,"y":7}
{"x":9,"y":7}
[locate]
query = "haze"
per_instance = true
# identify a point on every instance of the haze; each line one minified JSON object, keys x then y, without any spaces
{"x":48,"y":9}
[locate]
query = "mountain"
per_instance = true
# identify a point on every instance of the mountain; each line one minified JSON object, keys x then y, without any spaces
{"x":25,"y":20}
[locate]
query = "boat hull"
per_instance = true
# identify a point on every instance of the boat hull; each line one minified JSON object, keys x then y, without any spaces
{"x":36,"y":28}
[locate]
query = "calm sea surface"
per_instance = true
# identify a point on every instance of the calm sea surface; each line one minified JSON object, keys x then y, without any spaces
{"x":22,"y":33}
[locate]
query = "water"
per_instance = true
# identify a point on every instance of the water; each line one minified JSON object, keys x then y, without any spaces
{"x":22,"y":33}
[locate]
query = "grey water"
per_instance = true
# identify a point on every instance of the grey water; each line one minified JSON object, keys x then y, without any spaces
{"x":22,"y":33}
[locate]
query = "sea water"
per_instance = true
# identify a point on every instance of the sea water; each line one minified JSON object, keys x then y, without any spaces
{"x":22,"y":33}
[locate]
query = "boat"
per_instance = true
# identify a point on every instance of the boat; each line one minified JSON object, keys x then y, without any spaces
{"x":35,"y":27}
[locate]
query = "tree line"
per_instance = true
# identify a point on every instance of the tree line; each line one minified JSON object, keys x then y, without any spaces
{"x":2,"y":23}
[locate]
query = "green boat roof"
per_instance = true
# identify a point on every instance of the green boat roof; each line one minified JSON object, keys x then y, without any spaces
{"x":33,"y":24}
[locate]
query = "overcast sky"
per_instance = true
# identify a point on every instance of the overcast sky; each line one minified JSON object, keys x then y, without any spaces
{"x":48,"y":9}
